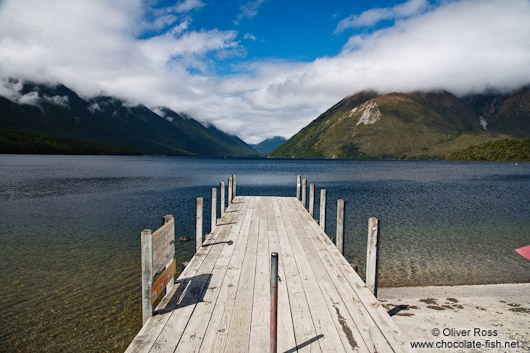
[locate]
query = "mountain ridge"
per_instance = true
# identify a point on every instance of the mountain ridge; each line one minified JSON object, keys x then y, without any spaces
{"x":418,"y":124}
{"x":268,"y":145}
{"x":55,"y":111}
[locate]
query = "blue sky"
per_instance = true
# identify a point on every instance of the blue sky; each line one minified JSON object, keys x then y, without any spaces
{"x":262,"y":68}
{"x":299,"y":31}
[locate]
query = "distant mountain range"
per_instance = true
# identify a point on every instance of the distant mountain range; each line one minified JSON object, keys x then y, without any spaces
{"x":269,"y":144}
{"x":432,"y":124}
{"x":53,"y":119}
{"x":40,"y":118}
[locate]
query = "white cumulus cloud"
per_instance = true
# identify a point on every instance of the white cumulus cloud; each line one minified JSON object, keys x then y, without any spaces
{"x":95,"y":46}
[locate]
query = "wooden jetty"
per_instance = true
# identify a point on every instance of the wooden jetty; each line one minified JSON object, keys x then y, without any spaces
{"x":221,"y":301}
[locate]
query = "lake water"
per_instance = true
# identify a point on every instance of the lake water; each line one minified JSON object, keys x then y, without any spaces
{"x":70,"y":230}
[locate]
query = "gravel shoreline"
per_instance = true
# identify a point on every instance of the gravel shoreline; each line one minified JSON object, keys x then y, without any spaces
{"x":469,"y":318}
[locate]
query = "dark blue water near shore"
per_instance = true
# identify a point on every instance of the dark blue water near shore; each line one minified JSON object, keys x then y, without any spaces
{"x":70,"y":230}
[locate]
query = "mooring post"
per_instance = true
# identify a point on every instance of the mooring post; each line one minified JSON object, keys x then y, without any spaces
{"x":323,"y":210}
{"x":213,"y":214}
{"x":340,"y":226}
{"x":229,"y":194}
{"x":274,"y":303}
{"x":222,"y":187}
{"x":147,"y":274}
{"x":233,"y":186}
{"x":298,"y":186}
{"x":198,"y":223}
{"x":371,"y":254}
{"x":304,"y":192}
{"x":312,"y":200}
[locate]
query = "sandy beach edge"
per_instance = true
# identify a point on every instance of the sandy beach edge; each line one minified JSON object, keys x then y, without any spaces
{"x":464,"y":318}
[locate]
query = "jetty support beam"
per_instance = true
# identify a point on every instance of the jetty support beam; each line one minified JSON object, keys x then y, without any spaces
{"x":213,"y":214}
{"x":147,"y":274}
{"x":304,"y":193}
{"x":312,"y":199}
{"x":222,"y":195}
{"x":229,"y":195}
{"x":340,"y":226}
{"x":322,"y":221}
{"x":198,"y":223}
{"x":371,"y":254}
{"x":298,"y":186}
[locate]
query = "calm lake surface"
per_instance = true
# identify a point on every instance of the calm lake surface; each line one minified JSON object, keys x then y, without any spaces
{"x":70,"y":230}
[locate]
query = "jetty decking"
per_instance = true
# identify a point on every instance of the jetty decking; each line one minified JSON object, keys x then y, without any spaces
{"x":221,"y":301}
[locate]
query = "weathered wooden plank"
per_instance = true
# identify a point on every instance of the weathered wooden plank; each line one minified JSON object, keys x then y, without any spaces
{"x":194,"y":332}
{"x":167,"y":276}
{"x":259,"y":329}
{"x":271,"y":218}
{"x":286,"y":336}
{"x":322,"y":317}
{"x":163,"y":245}
{"x":244,"y":304}
{"x":373,"y":339}
{"x":371,"y":255}
{"x":219,"y":324}
{"x":303,"y":324}
{"x":348,"y":314}
{"x":359,"y":293}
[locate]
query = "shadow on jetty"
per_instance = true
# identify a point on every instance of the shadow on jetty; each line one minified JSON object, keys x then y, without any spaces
{"x":189,"y":292}
{"x":304,"y":344}
{"x":229,"y":242}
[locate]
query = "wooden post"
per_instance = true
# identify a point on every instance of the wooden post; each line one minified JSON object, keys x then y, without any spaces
{"x":222,"y":187}
{"x":340,"y":226}
{"x":312,"y":200}
{"x":371,"y":254}
{"x":147,"y":274}
{"x":298,"y":186}
{"x":229,"y":195}
{"x":304,"y":192}
{"x":233,"y":186}
{"x":213,"y":212}
{"x":274,"y":303}
{"x":198,"y":223}
{"x":171,"y":235}
{"x":323,"y":210}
